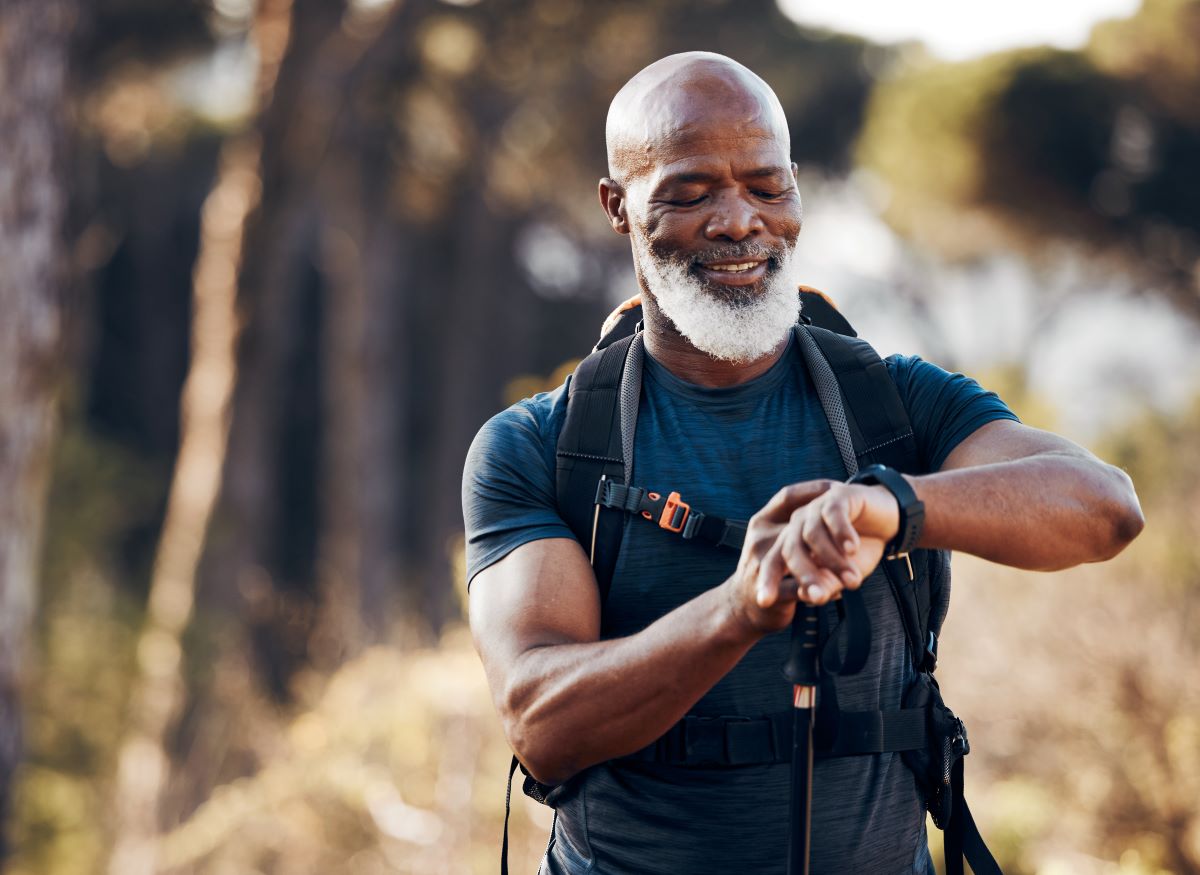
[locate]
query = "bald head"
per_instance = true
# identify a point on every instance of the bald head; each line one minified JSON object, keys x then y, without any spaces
{"x":694,"y":95}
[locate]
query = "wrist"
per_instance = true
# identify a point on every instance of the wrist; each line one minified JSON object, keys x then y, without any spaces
{"x":736,"y":621}
{"x":910,"y":509}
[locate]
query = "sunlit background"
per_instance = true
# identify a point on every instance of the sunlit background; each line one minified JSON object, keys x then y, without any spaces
{"x":265,"y":267}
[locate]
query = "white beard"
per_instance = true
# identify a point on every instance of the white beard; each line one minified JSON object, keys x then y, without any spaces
{"x":738,"y":328}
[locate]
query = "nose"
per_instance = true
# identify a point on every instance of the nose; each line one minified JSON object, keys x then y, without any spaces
{"x":734,"y":218}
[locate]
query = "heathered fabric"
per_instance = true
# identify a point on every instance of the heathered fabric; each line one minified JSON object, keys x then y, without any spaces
{"x":726,"y":451}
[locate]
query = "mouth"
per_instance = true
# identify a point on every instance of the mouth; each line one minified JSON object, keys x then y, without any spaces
{"x":731,"y":272}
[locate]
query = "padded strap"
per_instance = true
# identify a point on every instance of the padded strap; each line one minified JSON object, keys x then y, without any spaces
{"x":879,"y":426}
{"x":591,"y":447}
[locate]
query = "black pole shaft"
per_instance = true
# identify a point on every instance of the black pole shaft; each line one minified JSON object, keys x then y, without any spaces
{"x":803,"y":670}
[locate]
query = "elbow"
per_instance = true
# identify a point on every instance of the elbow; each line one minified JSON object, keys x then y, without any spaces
{"x":1123,"y":517}
{"x":539,"y":749}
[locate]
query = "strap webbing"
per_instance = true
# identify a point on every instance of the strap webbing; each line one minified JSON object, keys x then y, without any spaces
{"x":738,"y":741}
{"x":512,"y":768}
{"x":962,"y":838}
{"x":849,"y":644}
{"x":685,"y":521}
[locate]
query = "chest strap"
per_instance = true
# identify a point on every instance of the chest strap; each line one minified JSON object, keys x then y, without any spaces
{"x":696,"y":742}
{"x":672,"y":513}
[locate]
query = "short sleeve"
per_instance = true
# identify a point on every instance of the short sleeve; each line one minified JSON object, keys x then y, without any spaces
{"x":508,"y":492}
{"x":944,"y":407}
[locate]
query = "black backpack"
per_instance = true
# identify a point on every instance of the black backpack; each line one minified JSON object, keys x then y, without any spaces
{"x":870,"y":426}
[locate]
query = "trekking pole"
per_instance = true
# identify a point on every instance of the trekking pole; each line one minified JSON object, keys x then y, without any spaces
{"x":803,"y":670}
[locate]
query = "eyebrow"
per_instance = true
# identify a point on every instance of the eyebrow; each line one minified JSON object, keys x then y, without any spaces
{"x":700,"y":176}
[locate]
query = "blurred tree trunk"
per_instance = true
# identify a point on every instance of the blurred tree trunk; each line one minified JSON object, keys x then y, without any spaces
{"x":259,"y":565}
{"x":307,"y":542}
{"x":370,"y":273}
{"x":34,"y":40}
{"x":304,"y":546}
{"x":158,"y":693}
{"x":144,"y":763}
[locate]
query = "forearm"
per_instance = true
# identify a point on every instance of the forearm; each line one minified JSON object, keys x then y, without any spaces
{"x":1042,"y":512}
{"x":569,"y":706}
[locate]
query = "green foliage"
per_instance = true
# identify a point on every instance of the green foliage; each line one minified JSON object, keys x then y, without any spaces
{"x":919,"y":136}
{"x":1022,"y":149}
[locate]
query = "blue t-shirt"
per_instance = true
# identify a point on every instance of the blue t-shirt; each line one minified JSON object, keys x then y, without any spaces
{"x":727,"y":451}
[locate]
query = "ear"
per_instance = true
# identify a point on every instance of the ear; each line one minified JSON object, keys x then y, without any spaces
{"x":796,"y":177}
{"x":612,"y":199}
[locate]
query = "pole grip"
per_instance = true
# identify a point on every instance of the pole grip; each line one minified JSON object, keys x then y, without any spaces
{"x":801,"y":667}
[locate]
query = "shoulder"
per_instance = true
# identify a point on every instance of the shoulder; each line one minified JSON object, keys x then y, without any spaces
{"x":531,"y":423}
{"x":944,"y":406}
{"x":922,"y":382}
{"x":508,"y":493}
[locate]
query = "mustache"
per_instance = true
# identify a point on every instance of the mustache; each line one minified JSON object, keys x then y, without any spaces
{"x":748,"y":250}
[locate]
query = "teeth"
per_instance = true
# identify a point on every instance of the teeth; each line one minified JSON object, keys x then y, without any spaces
{"x":734,"y":267}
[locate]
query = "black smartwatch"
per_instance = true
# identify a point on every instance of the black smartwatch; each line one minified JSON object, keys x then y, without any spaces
{"x":912,"y":509}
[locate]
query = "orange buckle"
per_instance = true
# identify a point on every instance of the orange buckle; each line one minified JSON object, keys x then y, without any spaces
{"x":674,"y":503}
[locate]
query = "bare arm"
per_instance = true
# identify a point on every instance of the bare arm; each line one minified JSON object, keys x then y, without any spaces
{"x":1008,"y":493}
{"x":1027,"y":498}
{"x":568,"y":700}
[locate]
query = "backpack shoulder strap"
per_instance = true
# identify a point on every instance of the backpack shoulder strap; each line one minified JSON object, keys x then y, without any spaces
{"x":879,"y":426}
{"x":871,"y":426}
{"x":595,"y":444}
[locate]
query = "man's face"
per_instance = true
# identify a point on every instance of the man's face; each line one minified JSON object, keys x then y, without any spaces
{"x":714,"y":216}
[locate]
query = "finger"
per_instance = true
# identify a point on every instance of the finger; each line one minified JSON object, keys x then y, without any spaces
{"x":771,"y":571}
{"x":786,"y":500}
{"x":822,"y":588}
{"x":820,"y":544}
{"x":789,"y":589}
{"x":817,"y":585}
{"x":836,"y":516}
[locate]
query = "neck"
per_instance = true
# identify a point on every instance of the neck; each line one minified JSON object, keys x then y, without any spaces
{"x":673,"y":351}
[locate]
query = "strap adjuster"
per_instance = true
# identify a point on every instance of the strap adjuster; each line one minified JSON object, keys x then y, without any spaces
{"x":675,"y":513}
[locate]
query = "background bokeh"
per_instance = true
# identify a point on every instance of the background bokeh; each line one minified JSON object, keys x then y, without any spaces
{"x":265,"y":267}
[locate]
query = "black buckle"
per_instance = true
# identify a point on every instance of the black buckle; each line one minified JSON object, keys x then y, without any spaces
{"x":959,"y":744}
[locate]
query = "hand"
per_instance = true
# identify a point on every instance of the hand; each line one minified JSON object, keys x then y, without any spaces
{"x":808,"y":543}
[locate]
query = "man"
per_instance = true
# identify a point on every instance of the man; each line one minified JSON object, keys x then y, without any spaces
{"x":700,"y":179}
